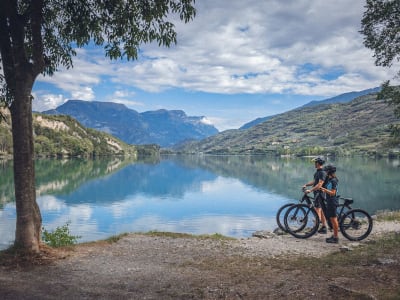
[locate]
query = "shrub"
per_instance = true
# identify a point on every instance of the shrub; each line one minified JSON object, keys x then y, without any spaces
{"x":59,"y":237}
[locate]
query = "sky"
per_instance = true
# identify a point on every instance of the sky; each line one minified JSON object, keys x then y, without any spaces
{"x":235,"y":62}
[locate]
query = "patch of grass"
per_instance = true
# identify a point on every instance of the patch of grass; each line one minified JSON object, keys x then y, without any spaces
{"x":366,"y":254}
{"x":388,"y":215}
{"x":215,"y":236}
{"x":115,"y":238}
{"x":174,"y":235}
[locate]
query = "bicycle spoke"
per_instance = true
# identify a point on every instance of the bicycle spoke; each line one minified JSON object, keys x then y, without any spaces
{"x":356,"y":224}
{"x":301,"y":221}
{"x":280,"y":215}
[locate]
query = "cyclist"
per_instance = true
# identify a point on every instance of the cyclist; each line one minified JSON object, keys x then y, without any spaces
{"x":330,"y":189}
{"x":317,"y":183}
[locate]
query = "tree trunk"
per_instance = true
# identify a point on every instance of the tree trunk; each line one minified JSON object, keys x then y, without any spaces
{"x":29,"y":220}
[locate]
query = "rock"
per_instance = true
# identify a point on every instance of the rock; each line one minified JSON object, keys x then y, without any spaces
{"x":263,"y":234}
{"x":279,"y":231}
{"x":386,"y":261}
{"x":345,"y":248}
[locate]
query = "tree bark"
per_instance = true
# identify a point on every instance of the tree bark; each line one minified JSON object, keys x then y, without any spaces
{"x":29,"y":220}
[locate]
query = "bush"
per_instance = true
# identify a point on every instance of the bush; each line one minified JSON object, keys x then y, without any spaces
{"x":59,"y":237}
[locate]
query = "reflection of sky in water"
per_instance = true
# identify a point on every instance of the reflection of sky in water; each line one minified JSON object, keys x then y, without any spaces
{"x":224,"y":205}
{"x":234,"y":196}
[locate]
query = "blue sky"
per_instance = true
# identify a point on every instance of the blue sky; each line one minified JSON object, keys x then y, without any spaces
{"x":236,"y":61}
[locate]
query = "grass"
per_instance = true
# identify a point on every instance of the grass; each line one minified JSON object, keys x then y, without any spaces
{"x":388,"y":215}
{"x":215,"y":236}
{"x":116,"y":238}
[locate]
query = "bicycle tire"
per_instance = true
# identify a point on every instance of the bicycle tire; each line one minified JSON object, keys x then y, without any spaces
{"x":280,"y":215}
{"x":356,"y":224}
{"x":301,"y":221}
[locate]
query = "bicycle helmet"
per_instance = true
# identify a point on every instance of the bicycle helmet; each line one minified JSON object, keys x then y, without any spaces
{"x":319,"y":160}
{"x":330,"y":169}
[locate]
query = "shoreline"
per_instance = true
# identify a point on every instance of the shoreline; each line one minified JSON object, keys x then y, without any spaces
{"x":168,"y":266}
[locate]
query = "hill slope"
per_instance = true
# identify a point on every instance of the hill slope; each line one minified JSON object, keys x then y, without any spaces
{"x":64,"y":136}
{"x":343,"y":98}
{"x":359,"y":126}
{"x":162,"y":127}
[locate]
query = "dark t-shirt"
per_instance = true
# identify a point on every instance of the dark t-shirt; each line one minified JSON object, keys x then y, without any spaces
{"x":319,"y":175}
{"x":331,"y":184}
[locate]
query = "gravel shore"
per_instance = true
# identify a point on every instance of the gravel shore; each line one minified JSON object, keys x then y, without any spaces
{"x":153,"y":267}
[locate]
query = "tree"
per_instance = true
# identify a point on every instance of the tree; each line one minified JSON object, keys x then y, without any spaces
{"x":380,"y":26}
{"x":39,"y":36}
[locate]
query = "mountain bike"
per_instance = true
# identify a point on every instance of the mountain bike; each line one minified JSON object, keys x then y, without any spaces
{"x":280,"y":214}
{"x":302,"y":221}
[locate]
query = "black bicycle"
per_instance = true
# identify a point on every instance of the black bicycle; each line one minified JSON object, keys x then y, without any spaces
{"x":280,"y":214}
{"x":302,"y":221}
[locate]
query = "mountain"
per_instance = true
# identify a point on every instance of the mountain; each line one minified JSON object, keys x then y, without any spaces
{"x":163,"y":127}
{"x":343,"y":98}
{"x":361,"y":126}
{"x":255,"y":122}
{"x":64,"y":136}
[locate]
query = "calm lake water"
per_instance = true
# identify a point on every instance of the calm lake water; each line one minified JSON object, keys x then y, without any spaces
{"x":230,"y":195}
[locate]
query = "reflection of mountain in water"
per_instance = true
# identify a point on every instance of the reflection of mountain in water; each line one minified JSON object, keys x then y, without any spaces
{"x":374,"y":184}
{"x":64,"y":176}
{"x":281,"y":176}
{"x":165,"y":179}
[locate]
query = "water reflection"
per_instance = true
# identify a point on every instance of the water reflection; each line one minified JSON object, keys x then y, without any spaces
{"x":231,"y":195}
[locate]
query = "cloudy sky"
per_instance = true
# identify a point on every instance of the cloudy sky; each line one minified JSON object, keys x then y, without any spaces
{"x":236,"y":61}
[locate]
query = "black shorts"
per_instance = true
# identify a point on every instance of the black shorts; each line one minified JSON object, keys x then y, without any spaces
{"x":331,"y":207}
{"x":318,"y":200}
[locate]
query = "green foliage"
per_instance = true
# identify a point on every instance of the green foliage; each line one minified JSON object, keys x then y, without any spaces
{"x":380,"y":26}
{"x":391,"y":94}
{"x":60,"y":237}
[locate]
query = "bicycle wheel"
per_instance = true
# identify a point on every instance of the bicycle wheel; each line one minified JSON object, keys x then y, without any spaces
{"x":301,"y":221}
{"x":281,"y":214}
{"x":356,"y":224}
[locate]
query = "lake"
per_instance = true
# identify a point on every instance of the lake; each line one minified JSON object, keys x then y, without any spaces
{"x":230,"y":195}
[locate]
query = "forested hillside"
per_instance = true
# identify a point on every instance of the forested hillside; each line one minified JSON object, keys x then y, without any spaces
{"x":361,"y":126}
{"x":63,"y":136}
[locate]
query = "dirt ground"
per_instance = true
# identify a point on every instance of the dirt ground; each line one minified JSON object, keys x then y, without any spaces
{"x":161,"y":267}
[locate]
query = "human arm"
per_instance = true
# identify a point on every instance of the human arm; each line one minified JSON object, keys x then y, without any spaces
{"x":316,"y":187}
{"x":331,"y":192}
{"x":308,"y":183}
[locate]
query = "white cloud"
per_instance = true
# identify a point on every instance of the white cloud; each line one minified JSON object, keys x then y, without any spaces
{"x":258,"y":47}
{"x":43,"y":101}
{"x":302,"y":47}
{"x":206,"y":121}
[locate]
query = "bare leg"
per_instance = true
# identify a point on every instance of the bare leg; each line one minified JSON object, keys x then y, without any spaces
{"x":321,"y":216}
{"x":335,"y":225}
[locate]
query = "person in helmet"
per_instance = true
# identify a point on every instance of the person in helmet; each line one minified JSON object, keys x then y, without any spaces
{"x":317,"y":183}
{"x":330,"y":189}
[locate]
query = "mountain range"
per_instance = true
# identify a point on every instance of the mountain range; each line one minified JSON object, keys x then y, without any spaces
{"x":346,"y":124}
{"x":342,"y":98}
{"x":163,"y":127}
{"x":361,"y":126}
